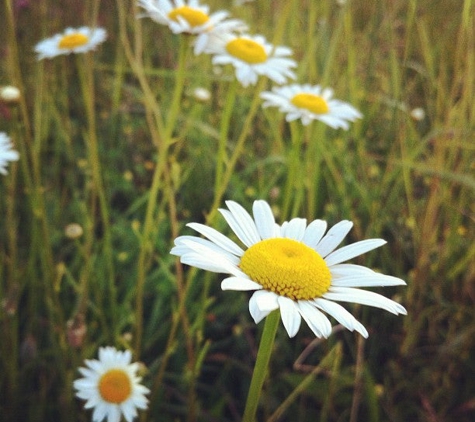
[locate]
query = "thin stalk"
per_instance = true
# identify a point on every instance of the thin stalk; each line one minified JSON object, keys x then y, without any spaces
{"x":86,"y":76}
{"x":221,"y":158}
{"x":166,"y":141}
{"x":261,"y":367}
{"x":31,"y":168}
{"x":192,"y":399}
{"x":313,"y":158}
{"x":358,"y":390}
{"x":293,"y":182}
{"x":221,"y":188}
{"x":9,"y":293}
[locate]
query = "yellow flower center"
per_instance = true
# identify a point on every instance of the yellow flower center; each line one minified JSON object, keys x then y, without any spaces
{"x":115,"y":386}
{"x":311,"y":102}
{"x":247,"y":50}
{"x":73,"y":40}
{"x":194,"y":17}
{"x":287,"y":267}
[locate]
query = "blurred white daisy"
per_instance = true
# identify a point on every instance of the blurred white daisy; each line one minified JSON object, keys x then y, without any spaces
{"x":111,"y":386}
{"x":251,"y":56}
{"x":10,"y":94}
{"x":307,"y":102}
{"x":190,"y":17}
{"x":72,"y":40}
{"x":7,"y":153}
{"x":293,"y":267}
{"x":201,"y":94}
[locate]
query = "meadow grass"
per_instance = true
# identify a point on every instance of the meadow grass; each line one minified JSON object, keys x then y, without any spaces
{"x":116,"y":142}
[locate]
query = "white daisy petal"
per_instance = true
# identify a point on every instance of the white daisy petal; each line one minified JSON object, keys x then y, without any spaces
{"x":261,"y":304}
{"x":114,"y":414}
{"x":257,"y":314}
{"x":218,"y":238}
{"x":264,"y":219}
{"x":345,"y":270}
{"x":333,"y":237}
{"x":373,"y":280}
{"x":294,"y":229}
{"x":205,"y":247}
{"x":213,"y":263}
{"x":355,"y":249}
{"x":100,"y":412}
{"x":318,"y":323}
{"x":242,"y":225}
{"x":314,"y":233}
{"x":363,"y":297}
{"x":341,"y":315}
{"x":267,"y":301}
{"x":290,"y":315}
{"x":239,"y":283}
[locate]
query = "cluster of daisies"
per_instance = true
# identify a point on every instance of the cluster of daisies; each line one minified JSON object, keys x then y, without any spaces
{"x":229,"y":42}
{"x":294,"y":267}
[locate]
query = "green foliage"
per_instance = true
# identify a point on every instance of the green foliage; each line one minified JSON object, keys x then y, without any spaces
{"x":116,"y":142}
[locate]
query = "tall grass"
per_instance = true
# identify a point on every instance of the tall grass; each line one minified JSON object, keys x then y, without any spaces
{"x":116,"y":142}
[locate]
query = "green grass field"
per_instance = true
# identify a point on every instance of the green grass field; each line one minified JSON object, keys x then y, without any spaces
{"x":114,"y":143}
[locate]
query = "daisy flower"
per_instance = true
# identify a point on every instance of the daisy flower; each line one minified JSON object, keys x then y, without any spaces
{"x":111,"y":386}
{"x":7,"y":153}
{"x":72,"y":40}
{"x":252,"y":56}
{"x":191,"y":18}
{"x":10,"y":94}
{"x":293,"y":267}
{"x":307,"y":102}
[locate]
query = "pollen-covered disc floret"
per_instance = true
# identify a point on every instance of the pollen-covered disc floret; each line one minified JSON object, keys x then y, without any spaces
{"x":252,"y":56}
{"x":307,"y":103}
{"x":293,"y":267}
{"x":287,"y":267}
{"x":111,"y":387}
{"x":7,"y":153}
{"x":191,"y":17}
{"x":72,"y":40}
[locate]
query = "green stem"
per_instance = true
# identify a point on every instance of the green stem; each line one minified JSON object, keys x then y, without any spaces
{"x":221,"y":159}
{"x":223,"y":183}
{"x":261,"y":368}
{"x":148,"y":229}
{"x":313,"y":159}
{"x":293,"y":183}
{"x":86,"y":77}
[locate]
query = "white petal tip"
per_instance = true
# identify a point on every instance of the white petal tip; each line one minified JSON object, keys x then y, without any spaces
{"x":402,"y":310}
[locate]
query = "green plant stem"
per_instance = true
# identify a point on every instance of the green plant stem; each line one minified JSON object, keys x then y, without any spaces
{"x":221,"y":158}
{"x":261,"y":367}
{"x":293,"y":183}
{"x":358,"y":388}
{"x":182,"y":293}
{"x":148,"y":230}
{"x":86,"y":76}
{"x":313,"y":157}
{"x":223,"y":183}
